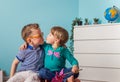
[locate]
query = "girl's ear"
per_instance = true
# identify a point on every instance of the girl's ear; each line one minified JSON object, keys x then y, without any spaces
{"x":57,"y":41}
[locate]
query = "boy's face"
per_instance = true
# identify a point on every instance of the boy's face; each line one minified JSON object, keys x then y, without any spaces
{"x":36,"y":38}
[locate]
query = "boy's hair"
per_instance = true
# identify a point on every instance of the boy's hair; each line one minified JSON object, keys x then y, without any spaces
{"x":61,"y":34}
{"x":26,"y":31}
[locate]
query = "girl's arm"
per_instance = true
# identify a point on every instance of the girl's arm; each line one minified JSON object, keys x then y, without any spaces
{"x":73,"y":61}
{"x":23,"y":46}
{"x":75,"y":69}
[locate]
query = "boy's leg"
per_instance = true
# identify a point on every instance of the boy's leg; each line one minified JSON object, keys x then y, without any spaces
{"x":33,"y":77}
{"x":18,"y":77}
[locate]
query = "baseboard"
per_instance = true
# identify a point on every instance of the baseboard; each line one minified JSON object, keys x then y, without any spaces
{"x":3,"y":78}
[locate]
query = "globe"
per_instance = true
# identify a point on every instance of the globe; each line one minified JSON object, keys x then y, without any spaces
{"x":111,"y":14}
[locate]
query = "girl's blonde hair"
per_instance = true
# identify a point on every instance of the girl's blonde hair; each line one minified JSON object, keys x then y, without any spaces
{"x":26,"y":31}
{"x":61,"y":34}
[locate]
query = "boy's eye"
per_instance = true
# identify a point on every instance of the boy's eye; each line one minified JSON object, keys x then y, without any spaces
{"x":36,"y":36}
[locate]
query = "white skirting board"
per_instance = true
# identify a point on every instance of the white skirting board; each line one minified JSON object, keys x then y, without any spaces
{"x":1,"y":76}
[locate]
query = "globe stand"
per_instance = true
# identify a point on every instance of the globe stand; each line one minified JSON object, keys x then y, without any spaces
{"x":110,"y":22}
{"x":114,"y":6}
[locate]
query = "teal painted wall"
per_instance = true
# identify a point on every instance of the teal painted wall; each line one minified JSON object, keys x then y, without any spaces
{"x":14,"y":14}
{"x":95,"y":9}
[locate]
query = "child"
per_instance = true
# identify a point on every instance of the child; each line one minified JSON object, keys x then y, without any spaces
{"x":56,"y":54}
{"x":31,"y":59}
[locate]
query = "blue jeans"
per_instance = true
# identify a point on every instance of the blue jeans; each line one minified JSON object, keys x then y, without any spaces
{"x":47,"y":74}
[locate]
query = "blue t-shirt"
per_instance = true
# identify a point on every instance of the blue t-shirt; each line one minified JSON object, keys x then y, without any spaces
{"x":31,"y":58}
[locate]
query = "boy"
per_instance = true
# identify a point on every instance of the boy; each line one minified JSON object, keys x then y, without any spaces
{"x":31,"y":58}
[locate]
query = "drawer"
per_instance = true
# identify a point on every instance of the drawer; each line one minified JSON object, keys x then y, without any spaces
{"x":111,"y":31}
{"x":99,"y":60}
{"x":91,"y":74}
{"x":97,"y":46}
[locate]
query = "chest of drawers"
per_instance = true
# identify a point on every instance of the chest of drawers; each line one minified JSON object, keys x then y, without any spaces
{"x":97,"y":48}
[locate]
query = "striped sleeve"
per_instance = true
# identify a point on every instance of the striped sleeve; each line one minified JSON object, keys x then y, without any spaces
{"x":21,"y":55}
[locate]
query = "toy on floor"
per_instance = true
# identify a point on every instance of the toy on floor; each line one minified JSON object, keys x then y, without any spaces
{"x":59,"y":76}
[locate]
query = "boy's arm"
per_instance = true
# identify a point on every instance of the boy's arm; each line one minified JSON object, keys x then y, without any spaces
{"x":14,"y":67}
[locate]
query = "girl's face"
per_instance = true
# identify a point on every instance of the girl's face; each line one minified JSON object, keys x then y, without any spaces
{"x":36,"y":38}
{"x":50,"y":38}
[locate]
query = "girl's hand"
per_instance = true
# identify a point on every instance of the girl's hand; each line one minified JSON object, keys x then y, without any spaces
{"x":75,"y":69}
{"x":23,"y":46}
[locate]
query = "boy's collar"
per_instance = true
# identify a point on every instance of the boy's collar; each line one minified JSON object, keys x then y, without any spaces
{"x":30,"y":47}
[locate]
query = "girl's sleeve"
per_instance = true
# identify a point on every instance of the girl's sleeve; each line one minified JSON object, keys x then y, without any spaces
{"x":67,"y":54}
{"x":44,"y":45}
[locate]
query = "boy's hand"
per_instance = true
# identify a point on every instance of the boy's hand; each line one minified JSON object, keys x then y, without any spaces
{"x":23,"y":46}
{"x":75,"y":69}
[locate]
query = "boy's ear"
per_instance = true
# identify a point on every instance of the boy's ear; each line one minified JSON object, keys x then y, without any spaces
{"x":28,"y":40}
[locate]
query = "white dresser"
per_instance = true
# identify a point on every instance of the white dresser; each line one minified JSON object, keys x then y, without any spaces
{"x":97,"y":48}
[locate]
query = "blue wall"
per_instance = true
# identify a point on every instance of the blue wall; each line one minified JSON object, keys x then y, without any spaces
{"x":14,"y":14}
{"x":95,"y":9}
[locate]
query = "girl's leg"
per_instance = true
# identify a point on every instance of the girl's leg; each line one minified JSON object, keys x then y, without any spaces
{"x":47,"y":81}
{"x":71,"y":79}
{"x":42,"y":80}
{"x":46,"y":74}
{"x":77,"y":80}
